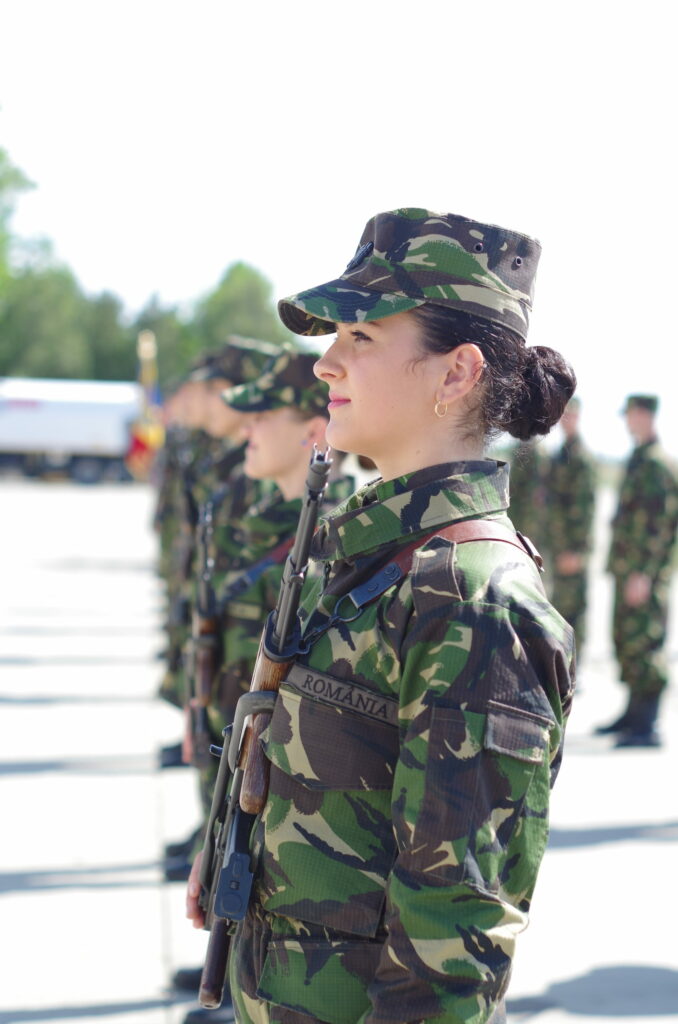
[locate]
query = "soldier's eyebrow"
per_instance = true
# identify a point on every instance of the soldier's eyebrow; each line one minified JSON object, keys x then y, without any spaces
{"x":360,"y":324}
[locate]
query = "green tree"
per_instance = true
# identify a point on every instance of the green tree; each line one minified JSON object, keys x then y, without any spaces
{"x":112,"y":344}
{"x":12,"y":183}
{"x":49,"y":328}
{"x":241,"y":304}
{"x":43,"y":320}
{"x":175,"y":338}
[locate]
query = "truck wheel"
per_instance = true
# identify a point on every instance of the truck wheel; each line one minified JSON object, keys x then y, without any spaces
{"x":86,"y":470}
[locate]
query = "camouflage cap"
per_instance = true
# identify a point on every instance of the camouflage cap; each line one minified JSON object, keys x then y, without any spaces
{"x":410,"y":256}
{"x":287,"y":380}
{"x":239,"y":360}
{"x":649,"y":402}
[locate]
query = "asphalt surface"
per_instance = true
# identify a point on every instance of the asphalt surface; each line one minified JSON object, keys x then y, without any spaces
{"x":89,"y":932}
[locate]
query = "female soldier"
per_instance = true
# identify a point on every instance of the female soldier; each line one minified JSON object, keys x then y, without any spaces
{"x":413,"y":744}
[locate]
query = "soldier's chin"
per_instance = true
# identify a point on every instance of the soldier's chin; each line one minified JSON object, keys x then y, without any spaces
{"x":251,"y":468}
{"x":339,"y":438}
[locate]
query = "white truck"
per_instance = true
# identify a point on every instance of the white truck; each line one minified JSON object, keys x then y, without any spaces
{"x":81,"y":427}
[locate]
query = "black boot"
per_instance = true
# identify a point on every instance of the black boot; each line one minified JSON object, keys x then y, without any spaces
{"x":170,"y":757}
{"x":625,"y":720}
{"x":177,"y":869}
{"x":642,"y":731}
{"x":184,"y":848}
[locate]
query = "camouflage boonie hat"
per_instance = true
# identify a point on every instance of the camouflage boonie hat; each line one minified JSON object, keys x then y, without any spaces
{"x":288,"y":380}
{"x":410,"y":256}
{"x":649,"y":402}
{"x":239,"y":360}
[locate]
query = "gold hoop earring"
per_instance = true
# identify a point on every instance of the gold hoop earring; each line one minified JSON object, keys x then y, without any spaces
{"x":440,"y":415}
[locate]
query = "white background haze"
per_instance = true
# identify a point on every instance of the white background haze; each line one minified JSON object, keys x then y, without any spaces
{"x":168,"y":140}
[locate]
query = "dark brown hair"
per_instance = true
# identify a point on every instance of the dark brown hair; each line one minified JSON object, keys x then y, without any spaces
{"x":524,"y":390}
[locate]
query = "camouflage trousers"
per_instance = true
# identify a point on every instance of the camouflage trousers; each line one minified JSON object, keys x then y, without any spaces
{"x":568,"y":595}
{"x":331,"y":987}
{"x":639,"y":636}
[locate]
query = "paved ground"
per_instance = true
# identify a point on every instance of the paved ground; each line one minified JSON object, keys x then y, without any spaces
{"x":89,"y":932}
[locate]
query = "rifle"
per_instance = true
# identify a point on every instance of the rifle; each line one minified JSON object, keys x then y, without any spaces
{"x":205,"y":638}
{"x":188,"y":509}
{"x":180,"y":610}
{"x":226,"y":874}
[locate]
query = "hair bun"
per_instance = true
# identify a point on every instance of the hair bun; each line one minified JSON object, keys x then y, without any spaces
{"x":549,"y":384}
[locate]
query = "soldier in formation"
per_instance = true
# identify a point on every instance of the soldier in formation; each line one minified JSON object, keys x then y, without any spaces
{"x":184,"y":438}
{"x":205,"y":452}
{"x":640,"y":561}
{"x":413,"y":744}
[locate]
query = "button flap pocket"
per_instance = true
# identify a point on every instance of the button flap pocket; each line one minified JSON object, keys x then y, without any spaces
{"x":518,"y":733}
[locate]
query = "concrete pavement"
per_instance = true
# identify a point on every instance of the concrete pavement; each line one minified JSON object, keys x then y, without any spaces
{"x":90,"y":933}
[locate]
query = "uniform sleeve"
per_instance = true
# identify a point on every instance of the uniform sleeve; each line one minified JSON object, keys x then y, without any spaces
{"x":484,"y":696}
{"x":571,"y":501}
{"x":580,"y":519}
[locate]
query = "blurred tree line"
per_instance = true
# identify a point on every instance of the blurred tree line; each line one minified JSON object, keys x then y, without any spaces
{"x":50,"y":328}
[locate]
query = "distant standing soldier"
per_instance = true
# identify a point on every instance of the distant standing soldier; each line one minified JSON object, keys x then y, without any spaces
{"x":570,"y":488}
{"x":643,"y":536}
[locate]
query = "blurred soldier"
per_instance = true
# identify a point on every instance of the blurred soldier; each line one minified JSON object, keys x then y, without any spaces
{"x":526,"y":483}
{"x":570,"y":488}
{"x":207,"y":458}
{"x":643,"y":536}
{"x":184,"y":439}
{"x":284,"y":413}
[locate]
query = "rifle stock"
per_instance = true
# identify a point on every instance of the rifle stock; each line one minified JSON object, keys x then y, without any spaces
{"x":213,"y":977}
{"x":268,"y":675}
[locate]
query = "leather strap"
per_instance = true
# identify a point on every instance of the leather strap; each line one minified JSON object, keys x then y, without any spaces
{"x":467,"y":531}
{"x":246,"y":579}
{"x":463,"y":532}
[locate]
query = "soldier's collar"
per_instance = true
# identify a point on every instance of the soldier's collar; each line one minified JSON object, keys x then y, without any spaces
{"x":384,"y":512}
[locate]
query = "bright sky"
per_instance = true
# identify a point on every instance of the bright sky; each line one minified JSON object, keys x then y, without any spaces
{"x":168,"y":139}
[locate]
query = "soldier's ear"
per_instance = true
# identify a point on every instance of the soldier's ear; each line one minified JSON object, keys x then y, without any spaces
{"x":463,"y":369}
{"x":315,"y":431}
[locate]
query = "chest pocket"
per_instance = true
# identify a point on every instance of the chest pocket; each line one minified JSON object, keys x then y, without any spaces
{"x":333,"y":733}
{"x":329,"y":843}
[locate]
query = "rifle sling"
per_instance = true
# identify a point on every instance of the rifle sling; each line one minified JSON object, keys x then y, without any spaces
{"x":246,"y":579}
{"x":464,"y":532}
{"x":469,"y":530}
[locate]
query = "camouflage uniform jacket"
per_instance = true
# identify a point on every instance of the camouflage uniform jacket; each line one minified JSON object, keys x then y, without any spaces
{"x":218,"y":467}
{"x":644,"y":526}
{"x":412,"y":751}
{"x":267,"y":525}
{"x":168,"y":514}
{"x":570,"y":482}
{"x":230,"y":506}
